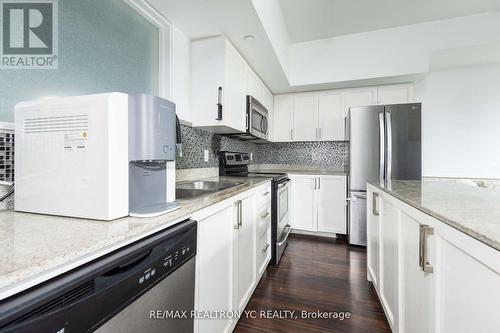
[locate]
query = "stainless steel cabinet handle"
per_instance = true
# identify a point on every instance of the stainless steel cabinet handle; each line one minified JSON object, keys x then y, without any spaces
{"x":423,"y":261}
{"x":264,"y":250}
{"x":315,"y":183}
{"x":291,"y":134}
{"x":374,"y":204}
{"x":319,"y":183}
{"x":263,"y":216}
{"x":320,"y":133}
{"x":266,"y":194}
{"x":241,"y":213}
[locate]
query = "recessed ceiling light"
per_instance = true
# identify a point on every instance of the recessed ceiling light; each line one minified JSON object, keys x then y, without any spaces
{"x":249,"y":37}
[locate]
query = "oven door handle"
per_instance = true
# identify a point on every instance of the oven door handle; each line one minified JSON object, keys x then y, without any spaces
{"x":283,"y":240}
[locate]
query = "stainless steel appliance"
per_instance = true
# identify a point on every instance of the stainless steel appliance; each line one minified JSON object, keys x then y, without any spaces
{"x":236,"y":164}
{"x":257,"y":122}
{"x":115,"y":293}
{"x":384,"y":144}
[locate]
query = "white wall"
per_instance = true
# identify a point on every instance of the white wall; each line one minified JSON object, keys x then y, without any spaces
{"x":388,"y":52}
{"x":181,"y":73}
{"x":461,"y":122}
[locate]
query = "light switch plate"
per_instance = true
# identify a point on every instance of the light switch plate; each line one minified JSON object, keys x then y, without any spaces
{"x":206,"y":155}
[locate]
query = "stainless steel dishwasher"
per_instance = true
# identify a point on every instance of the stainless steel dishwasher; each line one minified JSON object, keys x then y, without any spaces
{"x":143,"y":287}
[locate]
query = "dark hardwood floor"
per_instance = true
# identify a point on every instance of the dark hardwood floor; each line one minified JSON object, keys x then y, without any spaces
{"x":317,"y":274}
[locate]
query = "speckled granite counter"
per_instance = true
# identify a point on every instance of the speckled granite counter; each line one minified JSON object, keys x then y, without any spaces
{"x":302,"y":169}
{"x":35,"y":248}
{"x":471,"y":209}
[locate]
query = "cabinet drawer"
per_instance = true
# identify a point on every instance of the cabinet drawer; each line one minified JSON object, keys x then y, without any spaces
{"x":263,"y":254}
{"x":263,"y":221}
{"x":264,"y":196}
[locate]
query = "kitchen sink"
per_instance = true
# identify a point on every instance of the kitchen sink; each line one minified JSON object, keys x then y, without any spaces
{"x":198,"y":188}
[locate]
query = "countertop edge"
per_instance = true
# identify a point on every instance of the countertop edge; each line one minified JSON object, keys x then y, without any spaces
{"x":456,"y":225}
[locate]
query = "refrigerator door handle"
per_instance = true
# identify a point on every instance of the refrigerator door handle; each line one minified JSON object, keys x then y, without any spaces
{"x":382,"y":146}
{"x":388,"y":123}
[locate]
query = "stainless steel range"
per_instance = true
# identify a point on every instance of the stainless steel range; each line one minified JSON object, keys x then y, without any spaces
{"x":236,"y":164}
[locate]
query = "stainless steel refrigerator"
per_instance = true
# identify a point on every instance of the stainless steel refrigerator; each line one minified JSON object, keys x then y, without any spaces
{"x":384,"y":144}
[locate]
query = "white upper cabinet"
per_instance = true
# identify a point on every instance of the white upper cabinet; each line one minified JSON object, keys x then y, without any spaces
{"x":283,"y":118}
{"x":219,"y":74}
{"x":331,"y":123}
{"x":320,"y":116}
{"x":305,"y":117}
{"x":396,"y":94}
{"x":359,"y":97}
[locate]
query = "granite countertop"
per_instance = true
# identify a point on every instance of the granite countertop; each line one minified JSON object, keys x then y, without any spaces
{"x":463,"y":205}
{"x":35,"y":247}
{"x":305,"y":170}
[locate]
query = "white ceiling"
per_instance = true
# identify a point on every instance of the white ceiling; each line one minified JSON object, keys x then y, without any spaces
{"x":234,"y":19}
{"x":317,"y":19}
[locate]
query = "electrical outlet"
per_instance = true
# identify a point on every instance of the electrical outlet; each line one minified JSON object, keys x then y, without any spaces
{"x":206,"y":155}
{"x":251,"y":156}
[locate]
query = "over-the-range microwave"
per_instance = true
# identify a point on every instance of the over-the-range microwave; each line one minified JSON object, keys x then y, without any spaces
{"x":257,"y":124}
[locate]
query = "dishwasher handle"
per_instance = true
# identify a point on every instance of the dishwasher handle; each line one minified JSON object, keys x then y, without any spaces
{"x":130,"y":264}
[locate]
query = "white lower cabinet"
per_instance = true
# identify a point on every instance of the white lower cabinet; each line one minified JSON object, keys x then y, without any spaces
{"x":229,"y":263}
{"x":214,"y":269}
{"x":304,"y":203}
{"x":429,"y":276}
{"x":319,"y":203}
{"x":244,"y":247}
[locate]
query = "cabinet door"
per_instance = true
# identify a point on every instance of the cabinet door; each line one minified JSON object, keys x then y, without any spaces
{"x":245,"y":248}
{"x":254,"y":86}
{"x":234,"y":107}
{"x":358,"y":97}
{"x":469,"y":290}
{"x":396,"y":94}
{"x":304,"y":203}
{"x":418,"y":293}
{"x":305,"y":117}
{"x":283,"y":116}
{"x":214,"y":261}
{"x":389,"y":234}
{"x":373,"y":238}
{"x":331,"y":195}
{"x":331,"y":121}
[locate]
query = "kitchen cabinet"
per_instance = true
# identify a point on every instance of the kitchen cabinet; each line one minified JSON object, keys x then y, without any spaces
{"x":283,"y":118}
{"x":418,"y":290}
{"x":214,"y":273}
{"x":331,"y":123}
{"x":373,"y":237}
{"x":358,"y":97}
{"x":305,"y":117}
{"x":389,"y":261}
{"x":231,"y":257}
{"x":219,"y":74}
{"x":318,"y":203}
{"x":331,"y":197}
{"x":244,"y":248}
{"x":320,"y":115}
{"x":396,"y":94}
{"x":432,"y":278}
{"x":303,"y":202}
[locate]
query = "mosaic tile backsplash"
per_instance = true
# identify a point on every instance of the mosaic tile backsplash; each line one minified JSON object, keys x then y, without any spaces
{"x":195,"y":141}
{"x":7,"y":155}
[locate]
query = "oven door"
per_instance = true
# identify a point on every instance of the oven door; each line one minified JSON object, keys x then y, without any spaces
{"x":257,"y":119}
{"x":283,"y":228}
